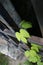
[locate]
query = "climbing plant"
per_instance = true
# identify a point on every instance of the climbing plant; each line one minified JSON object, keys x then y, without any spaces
{"x":25,"y":24}
{"x":22,"y":35}
{"x":32,"y":54}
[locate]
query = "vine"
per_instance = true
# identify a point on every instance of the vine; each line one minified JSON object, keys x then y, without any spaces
{"x":32,"y":54}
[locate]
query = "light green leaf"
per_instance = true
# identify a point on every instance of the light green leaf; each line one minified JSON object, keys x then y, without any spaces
{"x":24,"y":40}
{"x":33,"y":53}
{"x":35,"y":45}
{"x":33,"y":59}
{"x":27,"y":53}
{"x":24,"y":33}
{"x":18,"y":36}
{"x":35,"y":48}
{"x":39,"y":63}
{"x":26,"y":24}
{"x":32,"y":56}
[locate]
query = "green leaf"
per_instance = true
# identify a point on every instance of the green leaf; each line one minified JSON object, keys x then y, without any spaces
{"x":24,"y":33}
{"x":39,"y":63}
{"x":35,"y":45}
{"x":27,"y":63}
{"x":32,"y":53}
{"x":35,"y":48}
{"x":18,"y":36}
{"x":33,"y":59}
{"x":24,"y":40}
{"x":26,"y":24}
{"x":32,"y":56}
{"x":27,"y":53}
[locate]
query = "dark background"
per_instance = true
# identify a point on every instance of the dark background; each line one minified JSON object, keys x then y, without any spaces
{"x":26,"y":11}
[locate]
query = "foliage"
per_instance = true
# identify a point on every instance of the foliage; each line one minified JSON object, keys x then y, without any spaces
{"x":22,"y":35}
{"x":27,"y":63}
{"x":32,"y":55}
{"x":39,"y":63}
{"x":35,"y":47}
{"x":26,"y":24}
{"x":18,"y":36}
{"x":3,"y":59}
{"x":27,"y":53}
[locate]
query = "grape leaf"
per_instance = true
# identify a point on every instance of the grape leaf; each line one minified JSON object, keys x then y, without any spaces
{"x":26,"y":24}
{"x":33,"y":59}
{"x":35,"y":45}
{"x":35,"y":48}
{"x":27,"y":53}
{"x":32,"y":53}
{"x":39,"y":63}
{"x":32,"y":56}
{"x":24,"y":33}
{"x":18,"y":36}
{"x":23,"y":39}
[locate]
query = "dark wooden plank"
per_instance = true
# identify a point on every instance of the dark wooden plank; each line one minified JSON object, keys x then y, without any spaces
{"x":7,"y":17}
{"x":36,"y":40}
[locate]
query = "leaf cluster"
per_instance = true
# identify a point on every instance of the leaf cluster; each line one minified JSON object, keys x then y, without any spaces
{"x":22,"y":35}
{"x":32,"y":55}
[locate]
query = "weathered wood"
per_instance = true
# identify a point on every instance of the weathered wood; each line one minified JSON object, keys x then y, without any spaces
{"x":3,"y":21}
{"x":11,"y":11}
{"x":38,"y":8}
{"x":8,"y":18}
{"x":36,"y":40}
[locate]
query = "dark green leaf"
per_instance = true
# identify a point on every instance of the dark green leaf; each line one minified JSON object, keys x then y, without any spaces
{"x":26,"y":24}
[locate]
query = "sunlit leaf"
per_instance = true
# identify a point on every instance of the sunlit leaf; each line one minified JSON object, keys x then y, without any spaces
{"x":24,"y":33}
{"x":20,"y":37}
{"x":24,"y":40}
{"x":26,"y":24}
{"x":35,"y":48}
{"x":32,"y":56}
{"x":32,"y":53}
{"x":33,"y":59}
{"x":17,"y":35}
{"x":27,"y":53}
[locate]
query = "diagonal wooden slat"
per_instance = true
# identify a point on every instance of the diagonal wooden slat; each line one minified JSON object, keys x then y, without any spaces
{"x":7,"y":17}
{"x":5,"y":22}
{"x":11,"y":11}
